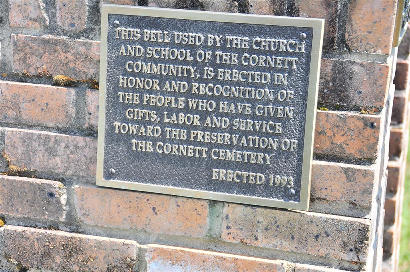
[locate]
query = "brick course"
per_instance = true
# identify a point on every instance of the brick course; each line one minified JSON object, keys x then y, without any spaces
{"x":142,"y":211}
{"x":396,"y":142}
{"x":61,"y":251}
{"x":78,"y":59}
{"x":401,"y":79}
{"x":353,"y":84}
{"x":399,"y":107}
{"x":330,"y":236}
{"x":168,"y":258}
{"x":36,"y":104}
{"x":347,"y":135}
{"x":32,"y":198}
{"x":51,"y":153}
{"x":394,"y":176}
{"x":370,"y":26}
{"x":161,"y":258}
{"x":341,"y":189}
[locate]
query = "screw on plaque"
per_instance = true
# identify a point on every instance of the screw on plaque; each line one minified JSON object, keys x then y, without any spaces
{"x":112,"y":171}
{"x":116,"y":23}
{"x":303,"y":36}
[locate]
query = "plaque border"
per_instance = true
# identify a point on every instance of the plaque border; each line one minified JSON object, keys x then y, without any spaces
{"x":316,"y":24}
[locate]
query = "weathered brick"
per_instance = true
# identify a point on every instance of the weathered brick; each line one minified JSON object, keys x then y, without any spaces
{"x":399,"y":107}
{"x":391,"y":237}
{"x":78,"y":59}
{"x":72,"y":14}
{"x":162,"y":3}
{"x":3,"y":160}
{"x":352,"y":84}
{"x":261,"y":7}
{"x":35,"y":104}
{"x":120,"y":2}
{"x":211,"y":5}
{"x":324,"y":9}
{"x":62,"y":251}
{"x":341,"y":189}
{"x":32,"y":198}
{"x":142,"y":211}
{"x":300,"y":232}
{"x":346,"y":135}
{"x":312,"y":268}
{"x":404,"y":47}
{"x":51,"y":153}
{"x":91,"y":119}
{"x":396,"y":142}
{"x":27,"y":14}
{"x":166,"y":258}
{"x":390,"y":207}
{"x":370,"y":26}
{"x":388,"y":242}
{"x":394,"y":176}
{"x":401,"y":79}
{"x":280,"y":7}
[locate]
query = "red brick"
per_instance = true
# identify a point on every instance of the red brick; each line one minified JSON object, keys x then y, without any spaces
{"x":391,"y":240}
{"x":401,"y":79}
{"x":347,"y":135}
{"x":298,"y":232}
{"x":91,"y":119}
{"x":119,"y":2}
{"x":353,"y":84}
{"x":162,"y":3}
{"x":396,"y":142}
{"x":404,"y":47}
{"x":27,"y":14}
{"x":324,"y":9}
{"x":261,"y":7}
{"x":34,"y":104}
{"x":32,"y":198}
{"x":219,"y":6}
{"x":78,"y":59}
{"x":51,"y":153}
{"x":393,"y":177}
{"x":390,"y":211}
{"x":311,"y":268}
{"x":341,"y":189}
{"x":370,"y":26}
{"x":399,"y":107}
{"x":62,"y":251}
{"x":152,"y":213}
{"x":388,"y":242}
{"x":166,"y":258}
{"x":72,"y":14}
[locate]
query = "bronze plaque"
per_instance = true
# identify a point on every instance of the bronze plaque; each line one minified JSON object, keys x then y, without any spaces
{"x":208,"y":105}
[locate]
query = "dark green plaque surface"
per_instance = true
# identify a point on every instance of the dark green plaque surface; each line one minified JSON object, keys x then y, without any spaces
{"x":208,"y":105}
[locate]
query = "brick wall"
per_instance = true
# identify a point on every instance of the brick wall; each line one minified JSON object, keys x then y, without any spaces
{"x":397,"y":158}
{"x":53,"y":217}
